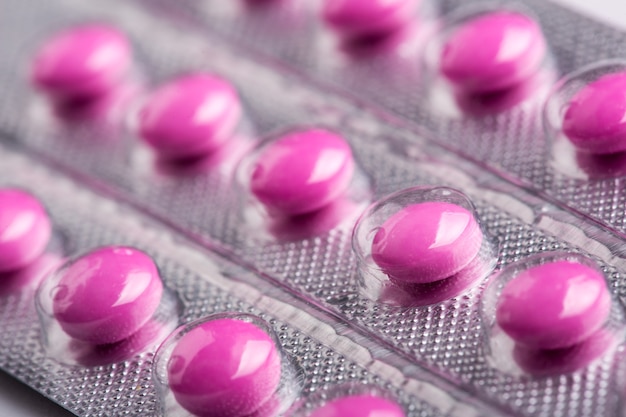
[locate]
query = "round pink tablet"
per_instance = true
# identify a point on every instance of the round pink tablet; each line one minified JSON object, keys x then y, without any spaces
{"x":302,"y":172}
{"x":554,"y":305}
{"x":25,"y":229}
{"x":493,"y":52}
{"x":224,"y":368}
{"x":359,"y":406}
{"x":190,"y":116}
{"x":363,"y":18}
{"x":107,"y":295}
{"x":427,"y":242}
{"x":82,"y":62}
{"x":595,"y":118}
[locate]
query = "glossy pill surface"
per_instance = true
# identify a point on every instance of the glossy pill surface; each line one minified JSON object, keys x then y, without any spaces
{"x":359,"y":406}
{"x":554,"y":305}
{"x":362,"y":18}
{"x":25,"y":229}
{"x":595,"y":118}
{"x":493,"y":52}
{"x":190,"y":116}
{"x":302,"y":172}
{"x":82,"y":62}
{"x":427,"y":242}
{"x":107,"y":295}
{"x":224,"y":368}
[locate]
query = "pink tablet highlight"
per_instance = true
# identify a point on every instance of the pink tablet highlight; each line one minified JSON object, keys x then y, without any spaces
{"x":363,"y":405}
{"x":302,"y":172}
{"x":427,"y":242}
{"x":82,"y":62}
{"x":190,"y":116}
{"x":25,"y":229}
{"x":354,"y":19}
{"x":492,"y":52}
{"x":107,"y":295}
{"x":554,"y":305}
{"x":225,"y":368}
{"x":595,"y":117}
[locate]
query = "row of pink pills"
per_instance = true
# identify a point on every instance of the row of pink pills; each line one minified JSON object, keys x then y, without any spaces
{"x":88,"y":61}
{"x":107,"y":295}
{"x":90,"y":311}
{"x":495,"y":51}
{"x":196,"y":114}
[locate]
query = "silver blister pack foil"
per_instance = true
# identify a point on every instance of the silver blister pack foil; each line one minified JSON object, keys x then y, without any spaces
{"x":203,"y":284}
{"x":435,"y":357}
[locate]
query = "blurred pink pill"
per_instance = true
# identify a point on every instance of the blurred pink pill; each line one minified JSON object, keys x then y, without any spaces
{"x":25,"y":229}
{"x":554,"y":305}
{"x":364,"y":18}
{"x":427,"y":242}
{"x":190,"y":116}
{"x":302,"y":172}
{"x":493,"y":52}
{"x":359,"y":406}
{"x":224,"y":368}
{"x":107,"y":295}
{"x":595,"y":118}
{"x":83,"y":62}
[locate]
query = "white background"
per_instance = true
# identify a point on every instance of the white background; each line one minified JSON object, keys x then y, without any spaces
{"x":17,"y":400}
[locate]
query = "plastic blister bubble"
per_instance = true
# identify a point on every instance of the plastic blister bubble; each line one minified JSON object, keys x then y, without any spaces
{"x":584,"y":132}
{"x":551,"y":314}
{"x":421,"y":246}
{"x":299,"y":184}
{"x":514,"y":69}
{"x":104,"y":306}
{"x":250,"y":374}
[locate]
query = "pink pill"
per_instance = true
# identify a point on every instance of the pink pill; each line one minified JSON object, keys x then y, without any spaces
{"x":107,"y":295}
{"x":83,"y":62}
{"x":190,"y":116}
{"x":302,"y":172}
{"x":493,"y":52}
{"x":427,"y":242}
{"x":25,"y":229}
{"x":224,"y":368}
{"x":359,"y":406}
{"x":554,"y":305}
{"x":364,"y":18}
{"x":595,"y":119}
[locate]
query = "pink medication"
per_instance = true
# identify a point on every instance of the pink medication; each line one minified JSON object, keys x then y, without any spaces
{"x":595,"y":117}
{"x":107,"y":295}
{"x":224,"y":368}
{"x":302,"y":172}
{"x":354,"y":19}
{"x":427,"y":242}
{"x":554,"y":305}
{"x":25,"y":229}
{"x":363,"y":405}
{"x":82,"y":63}
{"x":493,"y":52}
{"x":190,"y":116}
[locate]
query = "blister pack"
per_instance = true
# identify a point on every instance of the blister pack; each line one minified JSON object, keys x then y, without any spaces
{"x":335,"y":208}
